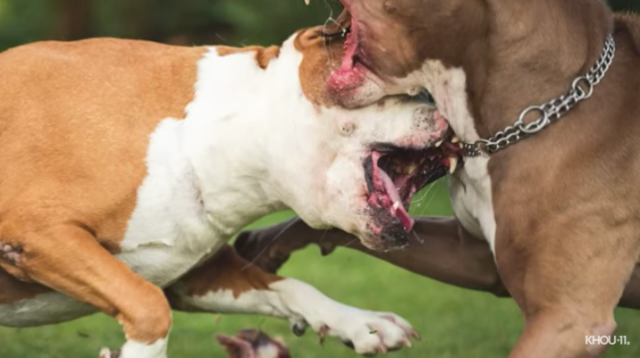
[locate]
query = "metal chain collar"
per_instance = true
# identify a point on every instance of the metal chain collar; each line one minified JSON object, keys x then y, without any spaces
{"x":581,"y":89}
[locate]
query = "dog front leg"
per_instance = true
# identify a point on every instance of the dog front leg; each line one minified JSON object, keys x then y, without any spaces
{"x":68,"y":259}
{"x":567,"y":279}
{"x":442,"y":250}
{"x":229,"y":284}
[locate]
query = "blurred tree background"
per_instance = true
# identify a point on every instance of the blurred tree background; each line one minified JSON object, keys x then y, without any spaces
{"x":187,"y":22}
{"x":454,"y":322}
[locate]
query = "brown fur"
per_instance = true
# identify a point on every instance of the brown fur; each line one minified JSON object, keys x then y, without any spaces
{"x":15,"y":290}
{"x":74,"y":132}
{"x":322,"y":56}
{"x":263,"y":55}
{"x":227,"y":271}
{"x":114,"y":92}
{"x":74,"y":139}
{"x":568,"y":237}
{"x":565,"y":200}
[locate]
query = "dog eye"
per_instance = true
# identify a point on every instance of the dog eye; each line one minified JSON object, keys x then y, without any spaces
{"x":425,"y":96}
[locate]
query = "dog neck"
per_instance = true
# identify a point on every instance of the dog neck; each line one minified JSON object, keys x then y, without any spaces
{"x":241,"y":149}
{"x":534,"y":48}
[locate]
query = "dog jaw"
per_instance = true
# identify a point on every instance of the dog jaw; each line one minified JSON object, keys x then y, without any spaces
{"x":324,"y":181}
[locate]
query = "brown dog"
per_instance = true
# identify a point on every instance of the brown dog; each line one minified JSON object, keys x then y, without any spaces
{"x":553,"y":196}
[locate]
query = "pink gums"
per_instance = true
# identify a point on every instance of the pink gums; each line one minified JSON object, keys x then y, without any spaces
{"x":350,"y":76}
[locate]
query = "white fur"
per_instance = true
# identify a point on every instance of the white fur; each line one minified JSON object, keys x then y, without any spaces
{"x":255,"y":301}
{"x":218,"y":170}
{"x":303,"y":306}
{"x":269,"y":351}
{"x":366,"y":330}
{"x":471,"y":188}
{"x":133,"y":349}
{"x":169,"y":230}
{"x":251,"y":144}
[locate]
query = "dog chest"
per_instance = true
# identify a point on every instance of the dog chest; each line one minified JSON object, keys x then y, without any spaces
{"x":472,"y":200}
{"x":169,"y":231}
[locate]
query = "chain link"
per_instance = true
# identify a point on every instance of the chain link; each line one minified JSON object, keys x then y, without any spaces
{"x":581,"y":89}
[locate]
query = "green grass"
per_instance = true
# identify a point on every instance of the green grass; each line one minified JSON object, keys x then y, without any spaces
{"x":454,"y":322}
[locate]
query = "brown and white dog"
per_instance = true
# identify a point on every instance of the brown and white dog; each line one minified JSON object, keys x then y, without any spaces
{"x":126,"y":166}
{"x":559,"y":210}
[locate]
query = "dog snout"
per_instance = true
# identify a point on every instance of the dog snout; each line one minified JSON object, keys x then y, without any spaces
{"x":426,"y":118}
{"x":430,"y":125}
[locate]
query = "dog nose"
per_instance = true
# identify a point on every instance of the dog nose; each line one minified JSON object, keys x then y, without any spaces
{"x":395,"y":237}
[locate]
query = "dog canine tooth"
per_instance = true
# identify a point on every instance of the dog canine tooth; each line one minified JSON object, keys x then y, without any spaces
{"x":411,"y":169}
{"x":453,"y":164}
{"x":455,"y":139}
{"x":439,"y":143}
{"x":396,"y":205}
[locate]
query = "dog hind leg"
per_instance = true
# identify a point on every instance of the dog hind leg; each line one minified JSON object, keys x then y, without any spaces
{"x":228,"y":284}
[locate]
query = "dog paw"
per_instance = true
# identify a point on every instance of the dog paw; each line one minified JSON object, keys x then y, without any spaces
{"x":367,"y":332}
{"x":108,"y":353}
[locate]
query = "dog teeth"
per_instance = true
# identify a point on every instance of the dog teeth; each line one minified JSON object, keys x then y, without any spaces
{"x":307,"y":2}
{"x":439,"y":143}
{"x":455,"y":139}
{"x":411,"y":169}
{"x":453,"y":164}
{"x":396,"y":205}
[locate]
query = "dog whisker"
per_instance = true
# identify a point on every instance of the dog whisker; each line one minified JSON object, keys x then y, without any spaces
{"x":324,"y":233}
{"x":330,"y":20}
{"x":417,"y":237}
{"x":433,"y":196}
{"x":428,"y":191}
{"x":430,"y":194}
{"x":351,"y":242}
{"x":224,"y":40}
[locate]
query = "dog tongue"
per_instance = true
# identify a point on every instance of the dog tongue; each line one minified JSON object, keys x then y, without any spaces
{"x":397,"y":209}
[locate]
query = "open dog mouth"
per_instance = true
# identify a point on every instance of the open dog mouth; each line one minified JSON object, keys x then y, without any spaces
{"x":395,"y":174}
